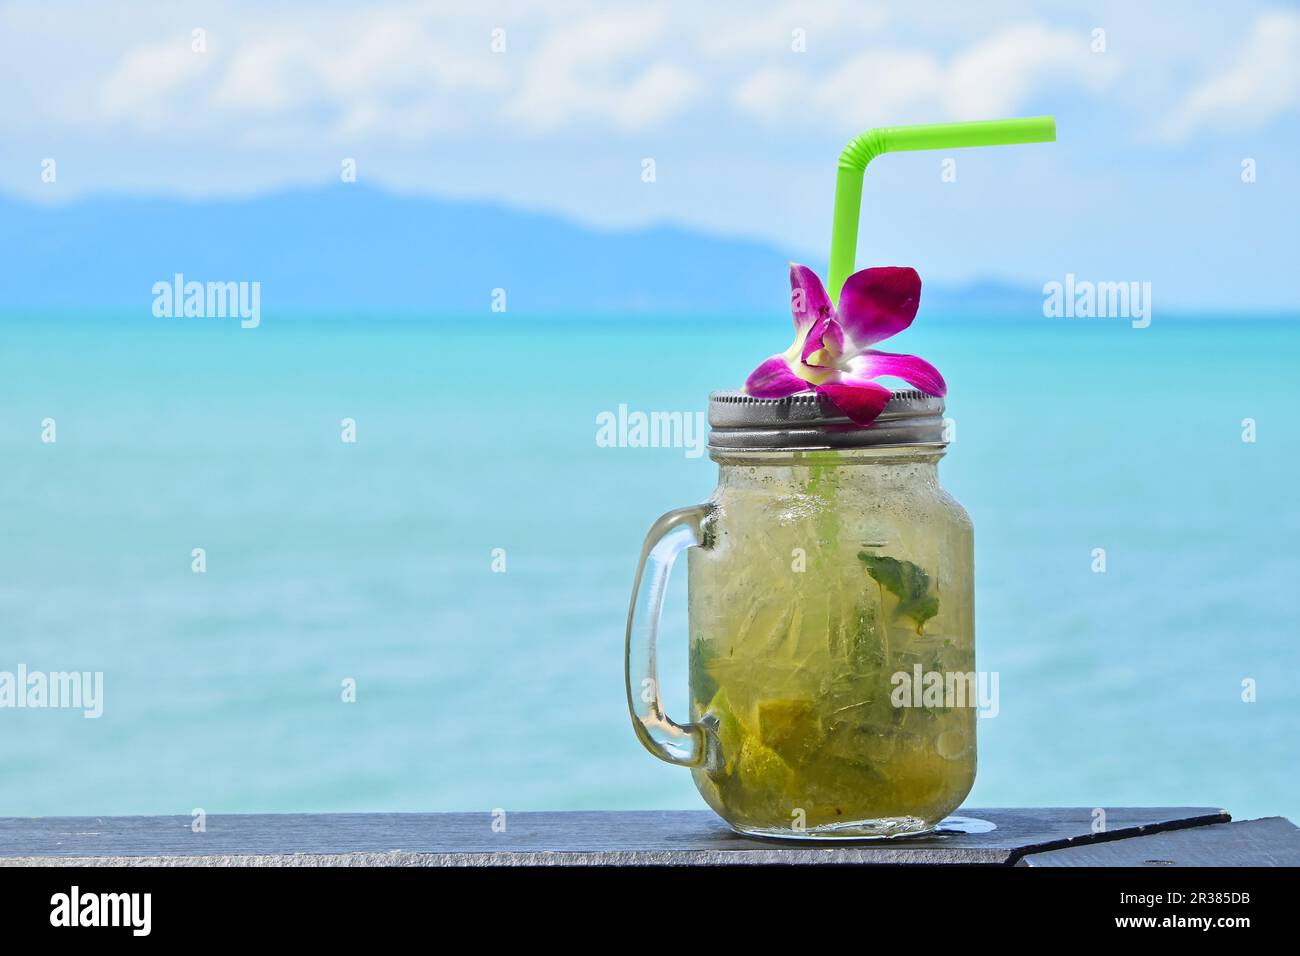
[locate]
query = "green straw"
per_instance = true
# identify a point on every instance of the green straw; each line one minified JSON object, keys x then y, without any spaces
{"x":899,"y":139}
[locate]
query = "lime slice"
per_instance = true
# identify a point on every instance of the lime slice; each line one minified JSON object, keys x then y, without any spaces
{"x":728,"y":729}
{"x":792,"y":728}
{"x":762,"y":771}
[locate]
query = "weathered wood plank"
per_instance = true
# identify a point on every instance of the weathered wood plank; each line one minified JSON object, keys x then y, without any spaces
{"x":1271,"y":841}
{"x":580,"y":838}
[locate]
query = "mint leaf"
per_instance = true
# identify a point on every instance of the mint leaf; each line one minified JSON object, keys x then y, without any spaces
{"x":702,"y":654}
{"x":908,"y":582}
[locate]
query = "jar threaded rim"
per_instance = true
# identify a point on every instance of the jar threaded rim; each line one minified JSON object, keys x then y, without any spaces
{"x":809,"y":421}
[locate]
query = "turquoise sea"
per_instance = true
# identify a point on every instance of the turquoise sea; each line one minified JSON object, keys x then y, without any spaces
{"x":373,"y":561}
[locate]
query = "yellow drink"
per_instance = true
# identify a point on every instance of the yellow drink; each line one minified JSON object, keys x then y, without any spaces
{"x":828,"y":575}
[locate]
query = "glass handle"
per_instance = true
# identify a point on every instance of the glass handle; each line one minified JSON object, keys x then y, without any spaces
{"x":681,"y":744}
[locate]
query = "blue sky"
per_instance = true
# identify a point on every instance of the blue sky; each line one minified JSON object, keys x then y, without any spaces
{"x":742,"y":106}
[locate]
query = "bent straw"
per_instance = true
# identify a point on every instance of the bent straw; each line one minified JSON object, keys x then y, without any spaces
{"x":896,"y":139}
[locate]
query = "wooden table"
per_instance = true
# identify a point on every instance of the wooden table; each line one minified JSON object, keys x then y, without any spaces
{"x":1155,"y":836}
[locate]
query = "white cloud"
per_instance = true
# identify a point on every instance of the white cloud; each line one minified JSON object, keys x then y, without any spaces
{"x":140,"y":90}
{"x":599,"y":68}
{"x":400,"y":71}
{"x":1263,"y":83}
{"x":410,"y":70}
{"x":384,"y":74}
{"x":996,"y":76}
{"x":766,"y":31}
{"x":272,"y":74}
{"x":991,"y":78}
{"x":654,"y":97}
{"x":878,"y":86}
{"x":771,"y":92}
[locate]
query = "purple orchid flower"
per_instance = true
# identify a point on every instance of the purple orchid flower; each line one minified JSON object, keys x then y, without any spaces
{"x":832,"y":351}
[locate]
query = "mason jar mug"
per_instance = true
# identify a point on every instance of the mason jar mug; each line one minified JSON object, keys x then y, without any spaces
{"x":831,"y":623}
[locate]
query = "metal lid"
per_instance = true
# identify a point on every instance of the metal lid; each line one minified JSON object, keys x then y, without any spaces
{"x":807,"y":421}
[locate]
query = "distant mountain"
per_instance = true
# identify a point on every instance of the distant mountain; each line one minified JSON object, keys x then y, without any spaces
{"x":351,"y":248}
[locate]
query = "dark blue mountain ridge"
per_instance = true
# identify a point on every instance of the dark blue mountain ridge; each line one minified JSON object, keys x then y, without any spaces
{"x":351,"y":248}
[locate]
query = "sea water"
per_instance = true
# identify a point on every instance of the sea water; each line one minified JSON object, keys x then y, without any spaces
{"x":383,"y":563}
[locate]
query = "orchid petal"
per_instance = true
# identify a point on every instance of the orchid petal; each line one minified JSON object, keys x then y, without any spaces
{"x":827,"y":338}
{"x":861,"y":401}
{"x":877,"y":303}
{"x":808,"y":299}
{"x":915,"y":371}
{"x":774,"y":379}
